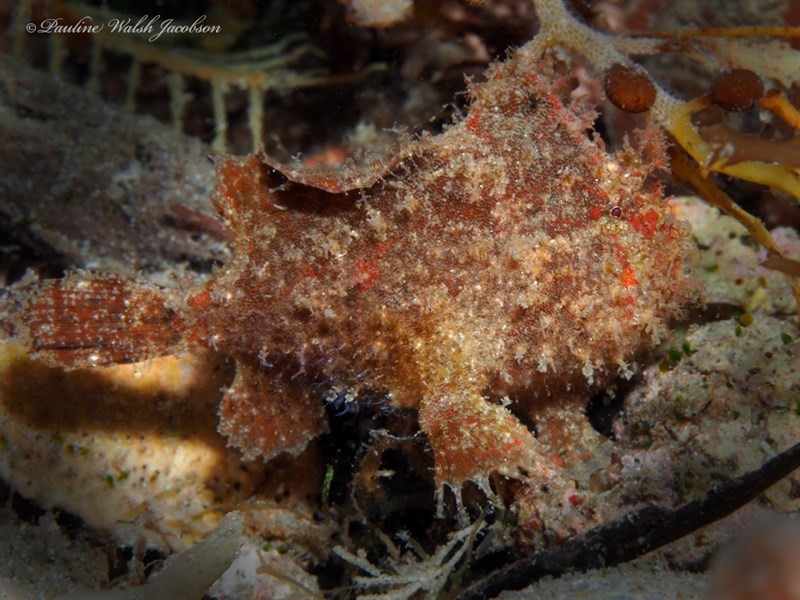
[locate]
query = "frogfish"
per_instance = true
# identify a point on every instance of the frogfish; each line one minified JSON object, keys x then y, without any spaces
{"x":491,"y":276}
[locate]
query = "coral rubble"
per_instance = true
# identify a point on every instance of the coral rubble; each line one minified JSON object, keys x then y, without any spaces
{"x":129,"y":197}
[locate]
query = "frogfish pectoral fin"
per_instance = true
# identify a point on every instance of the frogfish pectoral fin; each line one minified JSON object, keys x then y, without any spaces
{"x":472,"y":438}
{"x":266,"y":412}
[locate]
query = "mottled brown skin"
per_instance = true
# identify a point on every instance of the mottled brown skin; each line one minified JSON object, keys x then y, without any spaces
{"x":508,"y":257}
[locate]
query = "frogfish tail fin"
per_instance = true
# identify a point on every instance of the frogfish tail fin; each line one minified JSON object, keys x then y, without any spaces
{"x":87,"y":319}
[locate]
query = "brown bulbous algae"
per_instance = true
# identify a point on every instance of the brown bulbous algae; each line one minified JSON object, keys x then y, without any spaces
{"x":508,"y":261}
